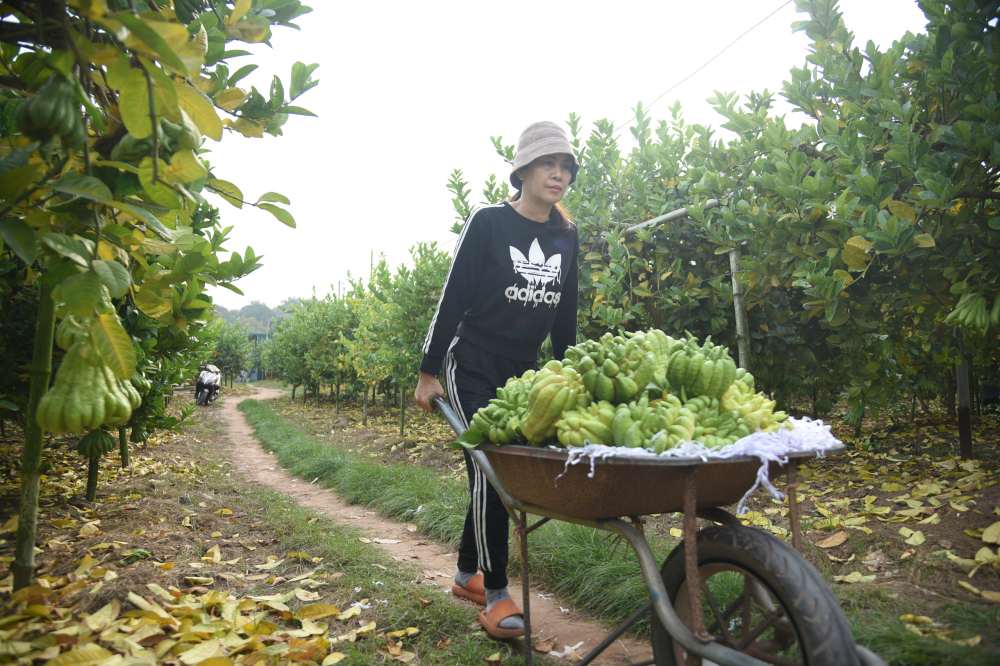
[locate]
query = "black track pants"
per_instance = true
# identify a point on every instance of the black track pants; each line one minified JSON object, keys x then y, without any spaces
{"x":472,"y":377}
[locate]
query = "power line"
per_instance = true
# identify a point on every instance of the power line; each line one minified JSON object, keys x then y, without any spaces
{"x":744,"y":34}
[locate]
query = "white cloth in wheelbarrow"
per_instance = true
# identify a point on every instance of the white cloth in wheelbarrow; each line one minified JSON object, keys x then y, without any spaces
{"x":768,"y":447}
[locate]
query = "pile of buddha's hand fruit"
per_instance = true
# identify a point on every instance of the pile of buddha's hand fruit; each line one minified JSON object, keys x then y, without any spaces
{"x":646,"y":390}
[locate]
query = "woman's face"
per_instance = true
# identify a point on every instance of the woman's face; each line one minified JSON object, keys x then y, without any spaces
{"x":547,"y":178}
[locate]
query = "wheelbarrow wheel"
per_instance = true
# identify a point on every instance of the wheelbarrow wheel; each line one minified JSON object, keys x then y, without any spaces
{"x":760,"y":597}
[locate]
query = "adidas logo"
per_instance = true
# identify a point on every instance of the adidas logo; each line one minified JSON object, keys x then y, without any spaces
{"x":537,"y":271}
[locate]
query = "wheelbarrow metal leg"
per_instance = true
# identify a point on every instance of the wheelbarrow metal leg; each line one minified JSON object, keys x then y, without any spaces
{"x":525,"y":594}
{"x":616,"y":634}
{"x":691,"y":554}
{"x":793,"y":505}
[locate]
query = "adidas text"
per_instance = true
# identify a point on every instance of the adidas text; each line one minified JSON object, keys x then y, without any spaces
{"x":531,"y":295}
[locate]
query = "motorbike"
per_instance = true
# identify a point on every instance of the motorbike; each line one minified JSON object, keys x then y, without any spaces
{"x":207,"y":387}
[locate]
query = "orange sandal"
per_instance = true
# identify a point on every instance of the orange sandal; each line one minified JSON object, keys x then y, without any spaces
{"x":473,"y":590}
{"x":491,"y":621}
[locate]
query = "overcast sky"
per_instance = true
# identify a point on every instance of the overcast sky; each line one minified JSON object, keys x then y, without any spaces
{"x":410,"y":91}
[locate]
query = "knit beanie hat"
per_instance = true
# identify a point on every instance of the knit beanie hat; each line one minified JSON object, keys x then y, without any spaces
{"x":541,"y":138}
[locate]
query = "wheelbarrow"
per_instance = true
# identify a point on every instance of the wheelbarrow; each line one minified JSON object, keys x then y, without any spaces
{"x":757,"y":600}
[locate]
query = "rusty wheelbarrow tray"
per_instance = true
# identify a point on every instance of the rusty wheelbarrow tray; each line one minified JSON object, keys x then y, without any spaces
{"x":526,"y":480}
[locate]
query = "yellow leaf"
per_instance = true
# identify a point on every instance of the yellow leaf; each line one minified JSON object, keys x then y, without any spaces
{"x":231,"y":99}
{"x":201,"y":110}
{"x":133,"y":104}
{"x":114,"y":345}
{"x":970,"y":588}
{"x":241,"y":7}
{"x":992,"y":533}
{"x":353,"y":611}
{"x":230,"y":193}
{"x":224,"y":512}
{"x":184,"y":167}
{"x":891,"y":487}
{"x":834,"y":540}
{"x":316,"y":611}
{"x":991,"y":596}
{"x":204,"y":650}
{"x":216,"y":535}
{"x":916,"y":619}
{"x":933,"y":519}
{"x":249,"y":128}
{"x":676,"y":533}
{"x":252,"y":29}
{"x":961,"y":508}
{"x":902,"y":210}
{"x":91,"y":655}
{"x":855,"y":254}
{"x":334,"y":658}
{"x":916,"y":539}
{"x":409,"y":631}
{"x":924,"y":240}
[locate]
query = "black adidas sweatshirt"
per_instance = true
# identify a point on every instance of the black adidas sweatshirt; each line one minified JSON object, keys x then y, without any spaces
{"x":512,"y":281}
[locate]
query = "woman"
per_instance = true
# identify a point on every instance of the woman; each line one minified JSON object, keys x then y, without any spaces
{"x":512,"y":282}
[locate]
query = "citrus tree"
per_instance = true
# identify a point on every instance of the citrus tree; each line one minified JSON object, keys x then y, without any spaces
{"x":105,"y":108}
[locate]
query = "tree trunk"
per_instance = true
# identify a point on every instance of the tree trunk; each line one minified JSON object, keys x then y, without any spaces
{"x":964,"y":407}
{"x":336,"y":409}
{"x":123,"y":446}
{"x":913,"y":406}
{"x":402,"y":409}
{"x":740,"y":307}
{"x":364,"y":409}
{"x":23,"y":566}
{"x":950,"y":393}
{"x":293,"y":391}
{"x":924,"y":407}
{"x":92,"y":470}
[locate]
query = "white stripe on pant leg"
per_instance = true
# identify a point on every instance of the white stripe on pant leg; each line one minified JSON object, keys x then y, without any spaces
{"x":478,"y":508}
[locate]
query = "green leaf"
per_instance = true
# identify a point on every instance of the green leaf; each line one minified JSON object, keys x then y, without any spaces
{"x":301,"y":79}
{"x":980,"y":111}
{"x":20,"y":238}
{"x":69,"y":247}
{"x":274,"y":196}
{"x":114,"y":276}
{"x":283,"y":215}
{"x":995,"y":223}
{"x":153,"y":40}
{"x":297,"y":110}
{"x":241,"y":73}
{"x":924,"y":240}
{"x":231,"y":287}
{"x":189,"y":263}
{"x":114,"y":345}
{"x":81,"y":293}
{"x":226,"y":190}
{"x":7,"y":404}
{"x":78,"y":185}
{"x":138,"y":211}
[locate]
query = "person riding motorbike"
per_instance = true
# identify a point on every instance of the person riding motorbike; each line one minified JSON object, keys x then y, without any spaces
{"x":207,"y":386}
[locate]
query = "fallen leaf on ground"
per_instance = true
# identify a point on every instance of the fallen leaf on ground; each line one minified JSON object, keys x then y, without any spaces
{"x":546,"y":645}
{"x":833,"y":540}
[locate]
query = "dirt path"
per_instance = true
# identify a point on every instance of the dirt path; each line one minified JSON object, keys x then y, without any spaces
{"x":548,"y":617}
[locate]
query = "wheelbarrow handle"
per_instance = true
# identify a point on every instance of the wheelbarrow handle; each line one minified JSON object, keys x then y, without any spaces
{"x":448,"y":413}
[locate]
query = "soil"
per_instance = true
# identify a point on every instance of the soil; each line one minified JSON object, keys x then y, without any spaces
{"x":549,"y":617}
